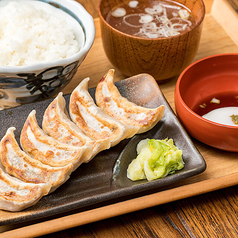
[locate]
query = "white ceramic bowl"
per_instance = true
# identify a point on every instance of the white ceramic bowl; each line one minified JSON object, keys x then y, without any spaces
{"x":26,"y":84}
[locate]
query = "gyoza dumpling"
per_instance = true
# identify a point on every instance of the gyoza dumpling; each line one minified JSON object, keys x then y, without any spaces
{"x":57,"y":124}
{"x":16,"y":195}
{"x":110,"y":100}
{"x":37,"y":144}
{"x":17,"y":163}
{"x":92,"y":120}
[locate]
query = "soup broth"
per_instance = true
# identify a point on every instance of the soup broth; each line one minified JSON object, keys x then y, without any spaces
{"x":151,"y":19}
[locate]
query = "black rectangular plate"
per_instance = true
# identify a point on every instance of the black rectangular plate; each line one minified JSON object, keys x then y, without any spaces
{"x":103,"y":180}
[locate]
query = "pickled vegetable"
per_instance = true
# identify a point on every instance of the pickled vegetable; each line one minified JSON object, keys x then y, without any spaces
{"x":155,"y":159}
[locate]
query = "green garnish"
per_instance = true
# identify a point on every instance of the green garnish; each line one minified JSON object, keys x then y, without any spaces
{"x":155,"y":159}
{"x":234,"y":119}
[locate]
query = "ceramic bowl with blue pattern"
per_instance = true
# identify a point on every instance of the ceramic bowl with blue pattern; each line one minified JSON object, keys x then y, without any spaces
{"x":29,"y":83}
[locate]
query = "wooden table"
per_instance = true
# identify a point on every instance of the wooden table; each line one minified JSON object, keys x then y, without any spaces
{"x":212,"y":214}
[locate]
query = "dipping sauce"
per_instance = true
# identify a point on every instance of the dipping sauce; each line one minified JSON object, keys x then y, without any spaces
{"x":221,"y":108}
{"x":151,"y":19}
{"x":224,"y":115}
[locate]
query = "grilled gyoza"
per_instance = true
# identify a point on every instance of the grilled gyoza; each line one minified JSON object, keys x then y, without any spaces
{"x":110,"y":100}
{"x":16,"y":195}
{"x":57,"y":124}
{"x":92,"y":120}
{"x":17,"y":163}
{"x":37,"y":144}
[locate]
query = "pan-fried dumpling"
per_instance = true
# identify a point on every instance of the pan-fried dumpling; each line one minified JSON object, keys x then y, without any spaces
{"x":17,"y":163}
{"x":91,"y":119}
{"x":111,"y":101}
{"x":37,"y":144}
{"x":16,"y":195}
{"x":57,"y":124}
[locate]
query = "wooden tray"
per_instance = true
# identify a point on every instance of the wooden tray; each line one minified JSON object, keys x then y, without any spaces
{"x":226,"y":14}
{"x":222,"y":167}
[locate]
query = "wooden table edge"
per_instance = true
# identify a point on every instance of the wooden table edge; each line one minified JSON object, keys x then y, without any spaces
{"x":123,"y":207}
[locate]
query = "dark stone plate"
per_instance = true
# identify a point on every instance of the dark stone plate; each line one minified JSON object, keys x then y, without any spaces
{"x":103,"y":180}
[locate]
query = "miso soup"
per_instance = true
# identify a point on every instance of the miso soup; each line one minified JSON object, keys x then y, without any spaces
{"x":151,"y":19}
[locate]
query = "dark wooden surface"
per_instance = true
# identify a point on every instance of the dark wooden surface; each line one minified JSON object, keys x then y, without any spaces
{"x":213,"y":214}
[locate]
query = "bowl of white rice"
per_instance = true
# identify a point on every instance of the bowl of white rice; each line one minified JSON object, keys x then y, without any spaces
{"x":42,"y":44}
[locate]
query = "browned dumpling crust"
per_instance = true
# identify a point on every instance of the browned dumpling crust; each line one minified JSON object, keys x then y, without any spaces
{"x":91,"y":119}
{"x":16,"y":195}
{"x":56,"y":123}
{"x":17,"y":163}
{"x":110,"y":100}
{"x":37,"y":144}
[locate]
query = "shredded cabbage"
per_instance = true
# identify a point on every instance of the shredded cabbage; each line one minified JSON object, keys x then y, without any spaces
{"x":155,"y":159}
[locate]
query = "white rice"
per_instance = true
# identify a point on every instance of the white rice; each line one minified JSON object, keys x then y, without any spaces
{"x":29,"y":34}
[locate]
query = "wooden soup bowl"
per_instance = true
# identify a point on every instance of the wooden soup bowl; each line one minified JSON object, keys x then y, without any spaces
{"x":163,"y":58}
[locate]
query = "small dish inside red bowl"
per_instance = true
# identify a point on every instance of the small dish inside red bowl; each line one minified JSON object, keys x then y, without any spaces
{"x":204,"y":86}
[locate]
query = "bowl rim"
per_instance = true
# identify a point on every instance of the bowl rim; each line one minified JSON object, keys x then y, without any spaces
{"x":152,"y":39}
{"x":177,"y":91}
{"x":88,"y":27}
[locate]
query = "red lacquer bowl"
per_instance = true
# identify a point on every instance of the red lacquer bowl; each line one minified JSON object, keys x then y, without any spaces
{"x":206,"y":77}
